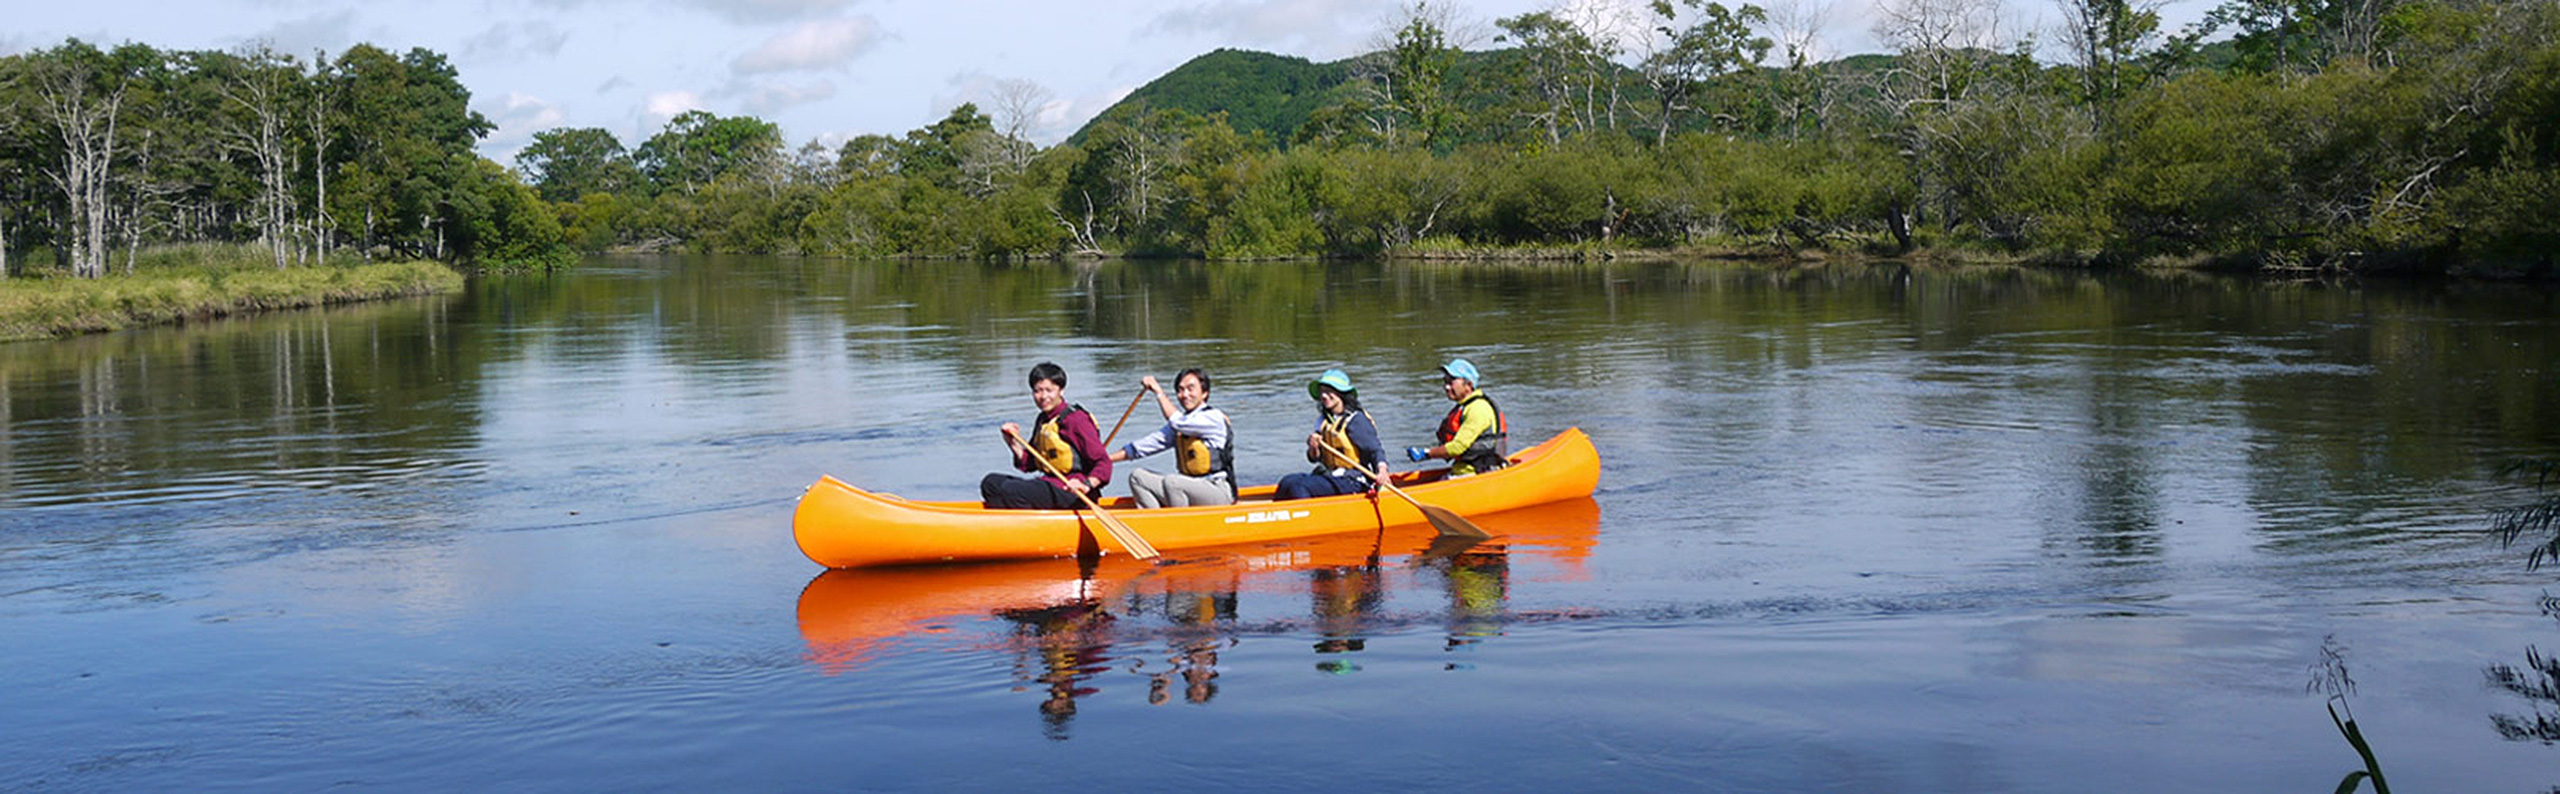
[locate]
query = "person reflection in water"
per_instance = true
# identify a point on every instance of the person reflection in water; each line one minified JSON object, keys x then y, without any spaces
{"x":1195,"y":641}
{"x":1478,"y":583}
{"x":1072,"y":643}
{"x":1345,"y":600}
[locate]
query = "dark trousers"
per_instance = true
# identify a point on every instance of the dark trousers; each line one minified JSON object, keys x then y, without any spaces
{"x":1301,"y":486}
{"x":1008,"y":492}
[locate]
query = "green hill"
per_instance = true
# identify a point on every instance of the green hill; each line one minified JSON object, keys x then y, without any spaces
{"x":1257,"y":90}
{"x":1275,"y":94}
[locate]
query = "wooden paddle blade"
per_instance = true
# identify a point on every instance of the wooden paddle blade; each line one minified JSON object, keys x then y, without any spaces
{"x":1445,"y":547}
{"x":1451,"y":524}
{"x":1129,"y":540}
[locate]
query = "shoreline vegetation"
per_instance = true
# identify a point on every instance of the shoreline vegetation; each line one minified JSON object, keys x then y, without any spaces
{"x":180,"y":284}
{"x":2328,"y":137}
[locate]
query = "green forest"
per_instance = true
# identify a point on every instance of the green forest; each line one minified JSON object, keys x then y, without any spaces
{"x":2346,"y":135}
{"x":107,"y":154}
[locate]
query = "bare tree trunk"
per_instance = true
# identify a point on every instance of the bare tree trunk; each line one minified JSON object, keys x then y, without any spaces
{"x":132,"y":228}
{"x":319,"y":123}
{"x":87,"y":125}
{"x":260,"y":90}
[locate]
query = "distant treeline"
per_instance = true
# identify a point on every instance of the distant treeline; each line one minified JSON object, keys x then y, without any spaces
{"x":104,"y":153}
{"x":2307,"y":133}
{"x":2354,"y":134}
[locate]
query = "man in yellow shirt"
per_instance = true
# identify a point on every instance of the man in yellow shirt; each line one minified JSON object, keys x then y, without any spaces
{"x":1474,"y":437}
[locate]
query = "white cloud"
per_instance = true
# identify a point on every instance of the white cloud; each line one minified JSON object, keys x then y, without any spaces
{"x":770,"y":10}
{"x":333,"y":32}
{"x":970,"y":86}
{"x":660,"y":106}
{"x":1315,"y":29}
{"x":505,"y":41}
{"x":817,"y":44}
{"x":1058,"y":113}
{"x":518,"y":117}
{"x":761,"y":100}
{"x":1065,"y":116}
{"x":750,"y":11}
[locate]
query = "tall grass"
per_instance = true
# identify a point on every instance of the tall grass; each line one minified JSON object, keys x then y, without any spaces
{"x":181,"y":282}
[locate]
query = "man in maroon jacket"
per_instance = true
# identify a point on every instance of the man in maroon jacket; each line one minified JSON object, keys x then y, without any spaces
{"x":1065,"y":437}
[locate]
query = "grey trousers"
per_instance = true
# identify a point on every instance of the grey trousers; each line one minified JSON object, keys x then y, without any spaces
{"x":1176,"y":490}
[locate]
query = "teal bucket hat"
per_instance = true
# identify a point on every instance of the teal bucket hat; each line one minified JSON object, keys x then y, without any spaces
{"x":1459,"y":368}
{"x":1331,"y":377}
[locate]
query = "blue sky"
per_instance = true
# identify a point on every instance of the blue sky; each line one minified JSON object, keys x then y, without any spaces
{"x":822,"y":69}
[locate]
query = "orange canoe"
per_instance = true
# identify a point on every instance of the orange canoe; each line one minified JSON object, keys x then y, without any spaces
{"x":841,"y":526}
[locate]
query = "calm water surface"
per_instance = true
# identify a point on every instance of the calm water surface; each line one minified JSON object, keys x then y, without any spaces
{"x":1858,"y":529}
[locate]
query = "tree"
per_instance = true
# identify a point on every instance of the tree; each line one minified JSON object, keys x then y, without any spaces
{"x":1571,"y":67}
{"x":1800,"y":94}
{"x":698,"y":147}
{"x":933,"y":153}
{"x":500,"y":223}
{"x":79,"y":93}
{"x":2289,"y":35}
{"x":258,"y":87}
{"x":1405,"y":84}
{"x":2106,"y":38}
{"x":1125,"y":167}
{"x":1015,"y":111}
{"x":1944,"y":59}
{"x":320,"y":120}
{"x":567,"y":164}
{"x":409,"y":130}
{"x":1717,"y":44}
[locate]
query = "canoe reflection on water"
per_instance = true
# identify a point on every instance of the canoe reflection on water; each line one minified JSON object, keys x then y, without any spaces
{"x":1069,"y":622}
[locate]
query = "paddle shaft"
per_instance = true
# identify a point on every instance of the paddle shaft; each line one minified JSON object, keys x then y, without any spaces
{"x":1447,"y":522}
{"x":1129,"y":539}
{"x":1124,"y":418}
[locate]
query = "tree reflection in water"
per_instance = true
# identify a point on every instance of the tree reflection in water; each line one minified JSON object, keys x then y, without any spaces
{"x":2538,"y":682}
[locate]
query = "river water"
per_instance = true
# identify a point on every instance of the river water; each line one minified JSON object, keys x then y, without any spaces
{"x":1859,"y":528}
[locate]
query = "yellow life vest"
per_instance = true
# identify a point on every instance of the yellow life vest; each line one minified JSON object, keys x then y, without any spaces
{"x":1047,"y":443}
{"x":1336,"y":432}
{"x":1492,"y":448}
{"x":1193,"y":455}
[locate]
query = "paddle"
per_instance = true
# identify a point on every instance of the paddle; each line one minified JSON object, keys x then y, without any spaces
{"x":1129,"y":540}
{"x":1124,"y":417}
{"x":1449,"y":524}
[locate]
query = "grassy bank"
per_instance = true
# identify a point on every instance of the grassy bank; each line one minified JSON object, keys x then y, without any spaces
{"x":189,"y":282}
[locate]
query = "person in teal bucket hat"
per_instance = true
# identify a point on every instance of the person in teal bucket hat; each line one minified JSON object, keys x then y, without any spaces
{"x":1341,"y":424}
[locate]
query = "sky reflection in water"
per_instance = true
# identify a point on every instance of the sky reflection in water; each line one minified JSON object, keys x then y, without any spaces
{"x":1862,"y":528}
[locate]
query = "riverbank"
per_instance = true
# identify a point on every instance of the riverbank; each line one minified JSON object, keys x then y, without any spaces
{"x":172,"y":287}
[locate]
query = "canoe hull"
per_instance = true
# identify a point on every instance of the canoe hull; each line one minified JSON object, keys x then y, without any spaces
{"x":840,"y":526}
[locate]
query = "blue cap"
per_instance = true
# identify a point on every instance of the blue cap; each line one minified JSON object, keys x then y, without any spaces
{"x":1459,"y":368}
{"x":1331,"y":377}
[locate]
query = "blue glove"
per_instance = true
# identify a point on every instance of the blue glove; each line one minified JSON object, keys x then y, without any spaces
{"x":1418,"y":454}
